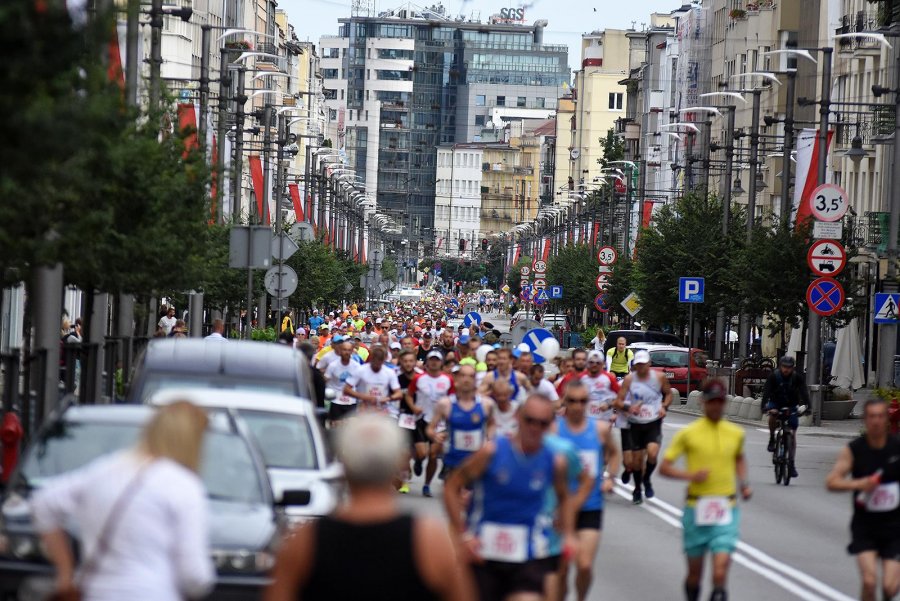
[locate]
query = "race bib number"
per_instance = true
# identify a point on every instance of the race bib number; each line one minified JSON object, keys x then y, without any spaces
{"x":713,"y":511}
{"x":468,"y":440}
{"x":407,"y":421}
{"x":595,"y":409}
{"x":503,"y":542}
{"x":441,"y":427}
{"x":884,"y":498}
{"x":647,"y":412}
{"x":590,"y":462}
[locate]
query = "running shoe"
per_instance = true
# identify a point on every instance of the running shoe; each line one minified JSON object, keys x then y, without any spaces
{"x":417,"y":467}
{"x":626,"y":476}
{"x":426,"y":491}
{"x":404,"y":489}
{"x":648,"y":490}
{"x":636,"y":497}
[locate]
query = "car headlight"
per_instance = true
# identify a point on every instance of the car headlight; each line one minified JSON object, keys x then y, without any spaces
{"x":244,"y":562}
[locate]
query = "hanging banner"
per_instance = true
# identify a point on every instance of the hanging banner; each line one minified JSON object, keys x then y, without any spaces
{"x":807,"y":176}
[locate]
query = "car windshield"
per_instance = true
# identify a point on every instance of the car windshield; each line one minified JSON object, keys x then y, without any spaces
{"x":285,"y":440}
{"x":668,"y":358}
{"x":158,"y":381}
{"x":228,"y":471}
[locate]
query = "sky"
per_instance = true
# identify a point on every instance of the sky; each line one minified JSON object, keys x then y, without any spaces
{"x":568,"y":18}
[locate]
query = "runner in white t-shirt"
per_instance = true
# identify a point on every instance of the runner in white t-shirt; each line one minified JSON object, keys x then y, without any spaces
{"x":602,"y":386}
{"x":374,"y":384}
{"x":424,"y":392}
{"x":542,"y":385}
{"x":506,"y":422}
{"x":336,"y":377}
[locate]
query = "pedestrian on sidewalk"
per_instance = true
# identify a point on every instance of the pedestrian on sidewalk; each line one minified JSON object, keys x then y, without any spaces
{"x":393,"y":556}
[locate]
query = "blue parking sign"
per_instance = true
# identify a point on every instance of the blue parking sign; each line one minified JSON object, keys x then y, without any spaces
{"x":690,"y":290}
{"x":556,"y":292}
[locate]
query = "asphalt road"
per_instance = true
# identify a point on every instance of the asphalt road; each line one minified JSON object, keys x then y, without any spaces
{"x":793,"y":538}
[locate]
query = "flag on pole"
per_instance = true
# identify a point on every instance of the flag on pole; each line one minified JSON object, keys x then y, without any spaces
{"x":807,"y":175}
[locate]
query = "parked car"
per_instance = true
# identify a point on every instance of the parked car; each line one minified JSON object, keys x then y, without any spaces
{"x":648,"y":336}
{"x":672,"y":361}
{"x":233,"y":365}
{"x":554,"y":320}
{"x":306,"y":480}
{"x":243,"y":521}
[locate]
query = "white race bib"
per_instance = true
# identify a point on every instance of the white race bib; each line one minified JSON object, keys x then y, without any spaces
{"x":467,"y":440}
{"x":590,"y":461}
{"x":713,"y":511}
{"x":884,"y":498}
{"x":648,"y":412}
{"x":595,"y":409}
{"x":504,"y":542}
{"x":441,"y":427}
{"x":407,"y":421}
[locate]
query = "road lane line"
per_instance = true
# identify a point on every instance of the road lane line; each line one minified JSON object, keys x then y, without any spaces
{"x":760,"y":556}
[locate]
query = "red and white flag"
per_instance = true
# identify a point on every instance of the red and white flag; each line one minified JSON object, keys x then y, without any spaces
{"x":807,"y":176}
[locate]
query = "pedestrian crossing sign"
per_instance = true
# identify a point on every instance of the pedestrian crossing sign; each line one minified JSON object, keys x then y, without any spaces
{"x":886,"y":310}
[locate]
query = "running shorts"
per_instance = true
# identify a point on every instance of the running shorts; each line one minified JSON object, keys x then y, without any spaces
{"x":644,"y":434}
{"x":699,"y":540}
{"x":884,"y":541}
{"x":499,"y":579}
{"x":589,"y":520}
{"x":627,"y":443}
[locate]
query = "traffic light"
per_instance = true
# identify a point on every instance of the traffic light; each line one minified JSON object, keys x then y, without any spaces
{"x":484,"y":244}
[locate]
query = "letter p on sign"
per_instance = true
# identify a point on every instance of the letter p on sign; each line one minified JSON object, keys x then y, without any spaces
{"x":690,"y":290}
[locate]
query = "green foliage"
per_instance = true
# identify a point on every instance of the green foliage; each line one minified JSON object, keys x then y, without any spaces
{"x":514,"y":277}
{"x":453,"y":270}
{"x":223,"y":286}
{"x":263,"y":334}
{"x":613,"y":149}
{"x":575,"y":269}
{"x":325,"y":276}
{"x":622,"y":283}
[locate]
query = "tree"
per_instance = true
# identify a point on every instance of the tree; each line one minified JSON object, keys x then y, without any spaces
{"x":575,"y":269}
{"x":613,"y":149}
{"x":514,"y":277}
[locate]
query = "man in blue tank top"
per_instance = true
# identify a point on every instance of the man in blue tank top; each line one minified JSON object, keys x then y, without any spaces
{"x":600,"y":458}
{"x":506,"y":535}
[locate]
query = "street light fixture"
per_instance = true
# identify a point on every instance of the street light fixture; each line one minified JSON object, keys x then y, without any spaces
{"x":764,"y":74}
{"x":690,"y":126}
{"x":735,"y":95}
{"x":856,"y":153}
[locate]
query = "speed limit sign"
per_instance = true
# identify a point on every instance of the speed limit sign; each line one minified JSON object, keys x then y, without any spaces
{"x":829,"y":202}
{"x":607,"y":255}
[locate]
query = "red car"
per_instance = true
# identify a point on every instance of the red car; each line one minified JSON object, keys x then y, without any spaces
{"x":672,"y":361}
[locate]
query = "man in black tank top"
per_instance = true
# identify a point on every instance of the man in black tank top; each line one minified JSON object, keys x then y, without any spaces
{"x":391,"y":556}
{"x":873,"y":463}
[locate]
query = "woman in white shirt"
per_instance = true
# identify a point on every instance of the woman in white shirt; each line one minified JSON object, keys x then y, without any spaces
{"x":141,"y":515}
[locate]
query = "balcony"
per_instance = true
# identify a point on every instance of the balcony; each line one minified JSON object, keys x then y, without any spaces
{"x":523,"y":170}
{"x":862,"y":21}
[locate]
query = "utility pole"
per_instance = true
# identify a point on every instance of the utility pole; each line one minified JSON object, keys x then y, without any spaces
{"x":267,"y":151}
{"x":887,"y":333}
{"x":279,"y":214}
{"x":205,"y":31}
{"x":704,"y":144}
{"x":721,"y":331}
{"x":132,"y":61}
{"x":224,"y":89}
{"x":156,"y":25}
{"x":744,"y":331}
{"x":238,"y":164}
{"x":814,"y":338}
{"x":785,"y":212}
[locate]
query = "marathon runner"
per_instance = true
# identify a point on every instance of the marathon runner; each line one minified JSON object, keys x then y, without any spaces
{"x":374,"y":384}
{"x":469,"y":418}
{"x":506,"y":538}
{"x":714,"y":451}
{"x":601,"y":385}
{"x":406,"y":417}
{"x":337,"y":377}
{"x":600,"y":459}
{"x":506,"y":422}
{"x":541,"y":385}
{"x":504,"y":371}
{"x":873,"y":463}
{"x":423,"y":395}
{"x":645,"y":395}
{"x":619,"y":359}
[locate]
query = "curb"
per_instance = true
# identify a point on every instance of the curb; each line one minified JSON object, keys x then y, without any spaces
{"x":805,"y":430}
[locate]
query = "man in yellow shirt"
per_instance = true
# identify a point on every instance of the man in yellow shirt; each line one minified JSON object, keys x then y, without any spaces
{"x":619,"y":358}
{"x":714,"y":454}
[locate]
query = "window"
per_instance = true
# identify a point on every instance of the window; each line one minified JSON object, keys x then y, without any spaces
{"x":501,"y":100}
{"x":392,"y":53}
{"x":539,"y":103}
{"x":615,"y":101}
{"x":479,"y":120}
{"x":330,"y":73}
{"x":520,"y":102}
{"x":479,"y":100}
{"x":394,"y":75}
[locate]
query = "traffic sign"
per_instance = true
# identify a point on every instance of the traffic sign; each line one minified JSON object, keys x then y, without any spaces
{"x":607,"y":255}
{"x":556,"y":292}
{"x":829,"y":230}
{"x":505,"y":289}
{"x":886,"y":310}
{"x":542,"y":344}
{"x":472,"y":318}
{"x":541,"y":298}
{"x":826,"y":257}
{"x":600,"y":303}
{"x":829,"y":202}
{"x":605,"y":269}
{"x":540,"y":283}
{"x":691,"y":290}
{"x":455,"y":301}
{"x":484,"y":281}
{"x":525,"y":271}
{"x":603,"y":281}
{"x":632,"y":304}
{"x":304,"y":232}
{"x":288,"y":281}
{"x":540,"y":266}
{"x":525,"y":295}
{"x":825,"y":296}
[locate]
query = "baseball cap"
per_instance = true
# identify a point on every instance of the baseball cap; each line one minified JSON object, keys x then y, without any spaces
{"x":595,"y":356}
{"x":395,"y":346}
{"x":464,"y":339}
{"x":521,"y":350}
{"x":787,"y":361}
{"x":434,"y":355}
{"x":378,"y":320}
{"x":426,"y":334}
{"x":641,"y":357}
{"x":714,"y":389}
{"x":336,"y":338}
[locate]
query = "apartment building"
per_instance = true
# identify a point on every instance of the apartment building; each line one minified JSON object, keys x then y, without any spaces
{"x":457,"y":210}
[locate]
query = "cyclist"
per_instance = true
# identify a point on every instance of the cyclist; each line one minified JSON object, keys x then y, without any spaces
{"x":873,"y":463}
{"x":785,"y":389}
{"x":714,"y":452}
{"x":619,"y":358}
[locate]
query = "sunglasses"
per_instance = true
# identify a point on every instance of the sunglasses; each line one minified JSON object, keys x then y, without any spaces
{"x":533,"y":421}
{"x":577,"y":401}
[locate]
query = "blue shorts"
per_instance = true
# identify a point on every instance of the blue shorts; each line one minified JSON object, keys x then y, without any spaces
{"x":793,"y":420}
{"x":699,"y":540}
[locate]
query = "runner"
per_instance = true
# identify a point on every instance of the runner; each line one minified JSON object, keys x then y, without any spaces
{"x":873,"y":463}
{"x":600,"y":458}
{"x":714,"y":452}
{"x":506,"y":422}
{"x":541,"y":385}
{"x":423,"y":395}
{"x":645,"y":395}
{"x":507,"y":536}
{"x":601,"y":385}
{"x":406,"y":417}
{"x":469,"y":418}
{"x":504,"y":371}
{"x":619,"y":359}
{"x":374,"y":384}
{"x":337,"y":376}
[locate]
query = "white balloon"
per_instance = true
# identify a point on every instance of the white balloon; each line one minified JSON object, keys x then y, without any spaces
{"x":549,"y":349}
{"x":483,"y":350}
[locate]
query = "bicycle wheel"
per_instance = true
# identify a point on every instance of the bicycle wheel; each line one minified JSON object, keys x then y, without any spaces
{"x":777,"y":458}
{"x":787,"y":455}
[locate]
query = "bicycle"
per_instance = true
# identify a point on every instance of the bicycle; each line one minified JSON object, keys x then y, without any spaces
{"x":781,"y":456}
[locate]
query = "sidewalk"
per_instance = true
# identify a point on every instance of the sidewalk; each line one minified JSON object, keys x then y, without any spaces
{"x":847,"y":428}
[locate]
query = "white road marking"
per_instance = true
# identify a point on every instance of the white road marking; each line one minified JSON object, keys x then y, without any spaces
{"x":674,"y":426}
{"x":749,"y":556}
